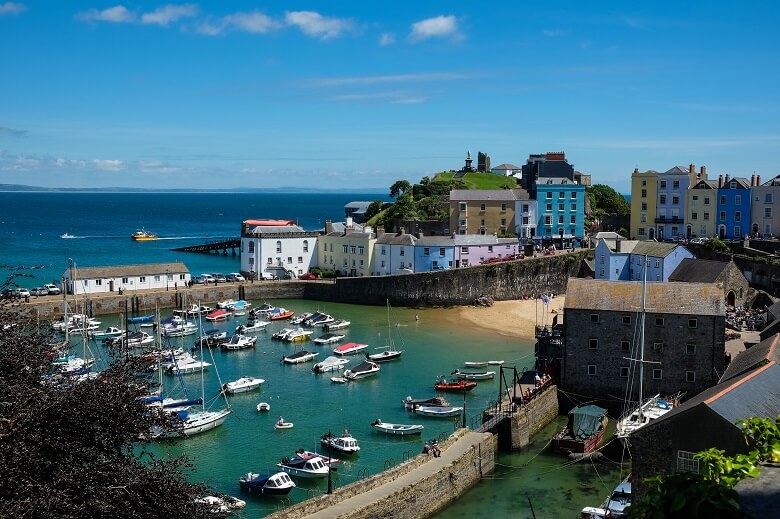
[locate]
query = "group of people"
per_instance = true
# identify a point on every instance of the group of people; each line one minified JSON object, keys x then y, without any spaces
{"x":432,"y":448}
{"x":541,"y":380}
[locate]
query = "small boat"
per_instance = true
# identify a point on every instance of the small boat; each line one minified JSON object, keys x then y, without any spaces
{"x":242,"y":385}
{"x":143,"y":235}
{"x":338,"y":324}
{"x":328,"y":338}
{"x":185,"y":368}
{"x":212,"y":338}
{"x":397,"y":429}
{"x":615,"y":505}
{"x":283,"y":425}
{"x":193,"y":423}
{"x":282,"y":334}
{"x":457,"y":387}
{"x":278,"y":484}
{"x":66,"y":236}
{"x":312,"y":468}
{"x":583,"y":431}
{"x":195,"y":310}
{"x":300,"y":356}
{"x":385,"y":355}
{"x":438,"y":411}
{"x":239,"y":342}
{"x":227,"y":304}
{"x":343,"y":443}
{"x":474,"y":375}
{"x":436,"y":401}
{"x":263,"y":406}
{"x":329,"y":461}
{"x":495,"y":362}
{"x":651,"y":409}
{"x":298,"y":319}
{"x":339,"y":380}
{"x":240,"y":306}
{"x":180,"y":330}
{"x":365,"y":369}
{"x":298,"y":335}
{"x":111,"y":331}
{"x":219,"y":315}
{"x":475,"y":364}
{"x":252,"y":326}
{"x":318,"y":318}
{"x":134,"y":339}
{"x":279,"y":314}
{"x":222,"y":504}
{"x":330,"y":364}
{"x":350,"y":348}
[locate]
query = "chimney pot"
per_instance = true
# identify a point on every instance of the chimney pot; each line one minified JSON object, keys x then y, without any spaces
{"x":704,"y":172}
{"x":720,"y":181}
{"x":758,"y":180}
{"x":753,"y":180}
{"x":727,"y":179}
{"x":692,"y":168}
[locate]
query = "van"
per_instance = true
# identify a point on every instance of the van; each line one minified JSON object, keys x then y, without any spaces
{"x":207,"y":278}
{"x":268,"y":276}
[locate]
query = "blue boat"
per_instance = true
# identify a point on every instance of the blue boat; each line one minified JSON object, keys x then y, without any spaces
{"x":141,"y":319}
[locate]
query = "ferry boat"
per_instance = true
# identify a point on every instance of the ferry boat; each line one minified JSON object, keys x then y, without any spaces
{"x":143,"y":235}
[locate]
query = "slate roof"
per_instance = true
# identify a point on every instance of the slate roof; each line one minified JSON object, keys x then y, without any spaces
{"x":462,"y":240}
{"x":706,"y":184}
{"x":340,"y":227}
{"x":772,"y":182}
{"x":357,"y":205}
{"x":391,"y":238}
{"x":698,"y":270}
{"x":656,"y":249}
{"x":741,"y":181}
{"x":662,"y":298}
{"x":500,"y":195}
{"x":505,"y":167}
{"x":677,"y":170}
{"x":609,"y":235}
{"x":765,"y":351}
{"x":148,"y":269}
{"x":773,"y":312}
{"x":351,"y":234}
{"x":555,"y":181}
{"x":276,"y":229}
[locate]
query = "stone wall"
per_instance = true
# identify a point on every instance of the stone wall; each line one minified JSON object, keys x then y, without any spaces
{"x":531,"y":418}
{"x":414,"y":501}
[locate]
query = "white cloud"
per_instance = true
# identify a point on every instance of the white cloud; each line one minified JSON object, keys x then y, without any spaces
{"x":116,"y":14}
{"x":169,"y":13}
{"x":398,"y":78}
{"x":108,"y":164}
{"x":12,"y":131}
{"x":254,"y":22}
{"x":12,"y":8}
{"x":387,"y":38}
{"x":436,"y":27}
{"x":380,"y":97}
{"x":317,"y":26}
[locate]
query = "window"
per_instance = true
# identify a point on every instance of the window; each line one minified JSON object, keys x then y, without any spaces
{"x":99,"y":282}
{"x":141,"y":279}
{"x":270,"y":261}
{"x":344,"y":248}
{"x":706,"y":200}
{"x":644,"y":206}
{"x":594,"y":318}
{"x":573,"y":219}
{"x":361,"y":250}
{"x":434,"y":265}
{"x":490,"y":248}
{"x":686,"y":462}
{"x":305,"y":245}
{"x":403,"y":252}
{"x":723,"y":200}
{"x":626,"y":319}
{"x":737,"y":231}
{"x":560,"y":207}
{"x":462,"y":206}
{"x":548,"y":220}
{"x":657,"y":374}
{"x":767,"y":198}
{"x":503,"y":208}
{"x":659,"y":321}
{"x":289,"y":259}
{"x":675,"y":199}
{"x":426,"y":251}
{"x":481,"y":207}
{"x":383,"y":263}
{"x":125,"y":280}
{"x":464,"y":262}
{"x":383,"y":250}
{"x":643,"y":218}
{"x":767,"y":212}
{"x":462,"y":222}
{"x":300,"y":259}
{"x":658,"y":347}
{"x":251,"y":261}
{"x":641,"y":231}
{"x":694,"y":216}
{"x":251,"y":246}
{"x":695,"y":198}
{"x":573,"y":195}
{"x":738,"y":216}
{"x":692,"y":322}
{"x":690,"y":349}
{"x":352,"y":249}
{"x":525,"y":208}
{"x":624,"y":371}
{"x":644,"y":193}
{"x":548,"y":207}
{"x":442,"y":250}
{"x":738,"y":199}
{"x":662,"y":198}
{"x":706,"y":216}
{"x":593,"y":344}
{"x":561,"y":195}
{"x":560,"y":219}
{"x":549,"y":195}
{"x":663,"y":184}
{"x":625,"y":345}
{"x":278,"y":246}
{"x":503,"y":222}
{"x":464,"y":250}
{"x":525,"y":220}
{"x":644,"y":183}
{"x":690,"y":376}
{"x":592,"y":370}
{"x":675,"y":184}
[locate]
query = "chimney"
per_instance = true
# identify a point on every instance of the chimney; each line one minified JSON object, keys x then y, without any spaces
{"x":726,"y":180}
{"x":328,"y":226}
{"x":402,"y":231}
{"x":349,"y":223}
{"x":380,"y":230}
{"x":704,"y":172}
{"x":758,"y":180}
{"x":720,"y":181}
{"x":692,"y":168}
{"x":617,"y":245}
{"x":753,"y":180}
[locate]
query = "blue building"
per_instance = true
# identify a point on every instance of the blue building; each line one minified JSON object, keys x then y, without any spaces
{"x":434,"y":253}
{"x":626,"y":261}
{"x":672,"y":196}
{"x":561,"y":210}
{"x":733,"y":221}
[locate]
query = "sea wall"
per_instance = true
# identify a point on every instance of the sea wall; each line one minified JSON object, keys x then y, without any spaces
{"x":532,"y":417}
{"x":421,"y":499}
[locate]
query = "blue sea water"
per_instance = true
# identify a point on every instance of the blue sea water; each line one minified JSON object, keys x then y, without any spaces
{"x":30,"y":229}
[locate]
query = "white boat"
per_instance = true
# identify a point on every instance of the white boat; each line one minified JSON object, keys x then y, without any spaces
{"x":111,"y":331}
{"x":328,"y":338}
{"x":196,"y":310}
{"x":396,"y":428}
{"x":66,"y":236}
{"x":240,"y":307}
{"x":318,"y":318}
{"x":475,"y":364}
{"x":436,"y":401}
{"x":252,"y":327}
{"x":298,"y":319}
{"x":134,"y":339}
{"x":186,"y":368}
{"x":313,"y":468}
{"x":495,"y":362}
{"x":365,"y":369}
{"x":298,"y":335}
{"x":474,"y":375}
{"x":282,"y":334}
{"x":212,"y":337}
{"x":330,"y":364}
{"x":222,"y":504}
{"x":283,"y":425}
{"x":328,"y":460}
{"x":196,"y":422}
{"x":349,"y":348}
{"x":615,"y":505}
{"x":180,"y":330}
{"x":339,"y":380}
{"x":242,"y":385}
{"x":263,"y":406}
{"x":239,"y":342}
{"x":344,"y":443}
{"x":278,"y":484}
{"x":438,"y":411}
{"x":337,"y":324}
{"x":227,"y":304}
{"x":389,"y":351}
{"x":300,"y":356}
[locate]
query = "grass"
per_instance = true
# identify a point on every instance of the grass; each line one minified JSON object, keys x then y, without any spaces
{"x":480,"y":180}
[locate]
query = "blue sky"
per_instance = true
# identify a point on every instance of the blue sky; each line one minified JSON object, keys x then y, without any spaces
{"x":355,"y":95}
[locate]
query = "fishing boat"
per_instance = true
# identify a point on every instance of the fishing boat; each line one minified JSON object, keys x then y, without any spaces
{"x":278,"y":484}
{"x":438,"y":411}
{"x":397,"y":429}
{"x":460,"y":386}
{"x":242,"y":385}
{"x":344,"y":443}
{"x":219,"y":315}
{"x":300,"y":356}
{"x":474,"y":375}
{"x":328,"y":338}
{"x":252,"y":326}
{"x":583,"y":431}
{"x":350,"y":348}
{"x":330,"y":364}
{"x":239,"y":342}
{"x":298,"y":319}
{"x":365,"y":369}
{"x":389,"y":351}
{"x":298,"y":335}
{"x":337,"y":324}
{"x":263,"y":406}
{"x":313,"y":468}
{"x":331,"y":462}
{"x":143,"y":235}
{"x":436,"y":401}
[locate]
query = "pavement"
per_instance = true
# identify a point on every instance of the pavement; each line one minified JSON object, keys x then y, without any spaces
{"x":463,"y":444}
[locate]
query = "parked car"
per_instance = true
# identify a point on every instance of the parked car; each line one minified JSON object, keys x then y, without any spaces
{"x":219,"y":278}
{"x":39,"y":291}
{"x":268,"y":276}
{"x":235,"y":276}
{"x":9,"y":293}
{"x":23,"y":292}
{"x":307,"y":276}
{"x":52,"y":288}
{"x":207,"y":278}
{"x":199,"y":280}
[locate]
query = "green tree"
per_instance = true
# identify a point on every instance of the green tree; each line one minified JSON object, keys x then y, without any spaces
{"x":433,"y":208}
{"x":609,"y":201}
{"x":403,"y":209}
{"x":373,"y":209}
{"x":399,"y":188}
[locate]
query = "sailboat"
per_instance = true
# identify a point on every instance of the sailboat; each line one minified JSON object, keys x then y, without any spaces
{"x":648,"y":409}
{"x":388,"y":352}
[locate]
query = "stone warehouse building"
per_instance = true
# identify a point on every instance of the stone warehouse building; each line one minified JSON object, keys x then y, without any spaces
{"x":726,"y":273}
{"x":684,"y":338}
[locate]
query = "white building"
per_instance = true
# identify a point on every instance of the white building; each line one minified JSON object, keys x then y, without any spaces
{"x":394,"y":253}
{"x":507,"y":170}
{"x":526,"y":218}
{"x":278,"y":247}
{"x":99,"y":280}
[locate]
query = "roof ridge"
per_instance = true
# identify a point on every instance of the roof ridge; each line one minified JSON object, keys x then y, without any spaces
{"x":738,"y":383}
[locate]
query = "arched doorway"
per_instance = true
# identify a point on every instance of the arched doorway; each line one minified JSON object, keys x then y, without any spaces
{"x":722,"y":231}
{"x":651,"y":234}
{"x":731,"y":299}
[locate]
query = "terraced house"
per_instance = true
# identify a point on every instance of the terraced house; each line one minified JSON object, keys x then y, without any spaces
{"x":701,"y":209}
{"x":484,"y":211}
{"x":734,"y":199}
{"x":347,"y":251}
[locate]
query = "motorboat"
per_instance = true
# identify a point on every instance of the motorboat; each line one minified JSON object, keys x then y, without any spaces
{"x":195,"y":310}
{"x":222,"y":504}
{"x":318,"y":318}
{"x":279,"y":314}
{"x":300,"y":356}
{"x":350,"y":348}
{"x":282,"y":334}
{"x":66,"y":236}
{"x":239,"y":342}
{"x":339,"y":380}
{"x":344,"y":443}
{"x":330,"y":364}
{"x":133,"y":339}
{"x":474,"y":375}
{"x":438,"y":411}
{"x":365,"y":369}
{"x":583,"y":431}
{"x":219,"y":315}
{"x":278,"y":484}
{"x":252,"y":326}
{"x":191,"y":423}
{"x":615,"y":505}
{"x":312,"y":468}
{"x":328,"y":338}
{"x":337,"y":324}
{"x":397,"y":429}
{"x":436,"y":401}
{"x":212,"y":338}
{"x":263,"y":406}
{"x":227,"y":304}
{"x":143,"y":235}
{"x":242,"y":385}
{"x":186,"y":368}
{"x":298,"y":335}
{"x":328,"y":460}
{"x":240,"y":307}
{"x":460,"y":386}
{"x":111,"y":331}
{"x":180,"y":330}
{"x":298,"y":319}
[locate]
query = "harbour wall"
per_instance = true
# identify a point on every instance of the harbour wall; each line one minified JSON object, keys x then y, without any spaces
{"x":532,"y":417}
{"x":420,"y":499}
{"x":472,"y":285}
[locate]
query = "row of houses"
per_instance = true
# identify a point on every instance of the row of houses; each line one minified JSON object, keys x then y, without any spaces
{"x":684,"y":203}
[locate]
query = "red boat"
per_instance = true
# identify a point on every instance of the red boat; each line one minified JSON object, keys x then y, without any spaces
{"x":461,"y":386}
{"x":218,"y":315}
{"x":279,"y":314}
{"x":583,"y":431}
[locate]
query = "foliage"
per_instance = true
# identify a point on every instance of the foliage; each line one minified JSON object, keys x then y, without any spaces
{"x":764,"y":435}
{"x":374,"y":209}
{"x":399,"y":188}
{"x":477,"y":180}
{"x":71,"y":449}
{"x":403,"y":208}
{"x":716,"y":244}
{"x":605,"y":200}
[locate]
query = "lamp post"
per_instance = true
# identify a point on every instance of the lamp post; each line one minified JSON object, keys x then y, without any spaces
{"x":464,"y":409}
{"x":330,"y":481}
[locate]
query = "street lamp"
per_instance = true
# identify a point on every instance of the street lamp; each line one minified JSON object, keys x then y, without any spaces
{"x":166,"y":280}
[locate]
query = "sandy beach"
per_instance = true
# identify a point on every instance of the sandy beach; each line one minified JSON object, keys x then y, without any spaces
{"x":515,"y":319}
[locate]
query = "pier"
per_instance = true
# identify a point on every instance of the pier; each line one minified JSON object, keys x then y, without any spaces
{"x":218,"y":247}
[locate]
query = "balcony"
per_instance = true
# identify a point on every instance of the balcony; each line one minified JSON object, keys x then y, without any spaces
{"x":669,"y":219}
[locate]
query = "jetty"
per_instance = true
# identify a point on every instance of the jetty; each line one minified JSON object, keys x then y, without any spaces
{"x":215,"y":247}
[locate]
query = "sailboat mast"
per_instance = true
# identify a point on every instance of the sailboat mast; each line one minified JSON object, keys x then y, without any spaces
{"x":642,"y":336}
{"x":388,"y":324}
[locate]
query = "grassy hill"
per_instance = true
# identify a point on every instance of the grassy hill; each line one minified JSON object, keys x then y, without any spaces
{"x":479,"y":180}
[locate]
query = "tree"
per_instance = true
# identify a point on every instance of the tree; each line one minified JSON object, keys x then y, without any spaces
{"x":609,"y":201}
{"x":399,"y":188}
{"x":71,"y":448}
{"x":373,"y":209}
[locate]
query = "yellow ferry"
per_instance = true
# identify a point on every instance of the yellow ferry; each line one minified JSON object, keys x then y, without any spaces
{"x":143,"y":235}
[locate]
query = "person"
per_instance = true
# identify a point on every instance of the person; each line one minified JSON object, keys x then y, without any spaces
{"x":435,"y":449}
{"x":280,"y":421}
{"x":426,"y":448}
{"x":416,"y":317}
{"x":538,"y":380}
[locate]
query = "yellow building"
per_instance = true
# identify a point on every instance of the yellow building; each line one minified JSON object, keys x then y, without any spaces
{"x":644,"y":193}
{"x":702,"y":205}
{"x":348,"y":252}
{"x":484,"y":211}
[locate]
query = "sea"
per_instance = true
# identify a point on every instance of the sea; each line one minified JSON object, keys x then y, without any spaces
{"x":529,"y":483}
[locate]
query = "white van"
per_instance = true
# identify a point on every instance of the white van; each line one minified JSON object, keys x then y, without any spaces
{"x":207,"y":278}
